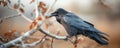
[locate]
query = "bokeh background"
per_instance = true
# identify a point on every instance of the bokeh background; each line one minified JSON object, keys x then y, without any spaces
{"x":104,"y":14}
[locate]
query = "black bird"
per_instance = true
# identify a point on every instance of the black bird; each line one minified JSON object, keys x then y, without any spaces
{"x":74,"y":26}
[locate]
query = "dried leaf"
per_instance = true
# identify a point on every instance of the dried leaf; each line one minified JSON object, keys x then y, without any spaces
{"x":15,"y":6}
{"x":1,"y":21}
{"x":32,"y":1}
{"x":47,"y":17}
{"x":46,"y":26}
{"x":42,"y":6}
{"x":4,"y":3}
{"x":21,"y":10}
{"x":40,"y":18}
{"x":33,"y":24}
{"x":10,"y":33}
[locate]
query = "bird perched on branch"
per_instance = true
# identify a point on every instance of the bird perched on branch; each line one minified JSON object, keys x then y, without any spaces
{"x":74,"y":26}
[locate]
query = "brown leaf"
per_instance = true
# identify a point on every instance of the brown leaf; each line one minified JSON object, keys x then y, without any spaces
{"x":10,"y":33}
{"x":32,"y":1}
{"x":1,"y":21}
{"x":4,"y":3}
{"x":15,"y":6}
{"x":42,"y":6}
{"x":47,"y":17}
{"x":33,"y":24}
{"x":21,"y":10}
{"x":46,"y":26}
{"x":40,"y":18}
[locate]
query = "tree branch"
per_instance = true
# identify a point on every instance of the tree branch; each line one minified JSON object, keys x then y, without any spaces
{"x":53,"y":39}
{"x":36,"y":42}
{"x":26,"y":18}
{"x":39,"y":27}
{"x":7,"y":17}
{"x":52,"y":35}
{"x":37,"y":11}
{"x":25,"y":36}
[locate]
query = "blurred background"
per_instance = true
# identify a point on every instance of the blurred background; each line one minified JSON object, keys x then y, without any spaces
{"x":104,"y":14}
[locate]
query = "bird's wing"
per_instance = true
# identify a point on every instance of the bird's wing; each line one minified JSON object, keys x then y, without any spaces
{"x":89,"y":23}
{"x":77,"y":22}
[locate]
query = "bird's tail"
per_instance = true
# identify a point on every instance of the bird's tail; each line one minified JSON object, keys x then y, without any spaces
{"x":99,"y":38}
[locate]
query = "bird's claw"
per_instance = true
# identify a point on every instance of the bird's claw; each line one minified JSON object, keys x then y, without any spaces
{"x":66,"y":38}
{"x":75,"y":42}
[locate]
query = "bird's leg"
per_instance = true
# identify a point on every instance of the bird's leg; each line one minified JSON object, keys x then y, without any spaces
{"x":67,"y":38}
{"x":76,"y":40}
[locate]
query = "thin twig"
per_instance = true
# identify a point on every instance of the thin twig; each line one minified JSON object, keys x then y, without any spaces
{"x":37,"y":11}
{"x":52,"y":35}
{"x":36,"y":42}
{"x":11,"y":16}
{"x":53,"y":39}
{"x":39,"y":27}
{"x":7,"y":17}
{"x":52,"y":43}
{"x":26,"y":18}
{"x":48,"y":10}
{"x":25,"y":36}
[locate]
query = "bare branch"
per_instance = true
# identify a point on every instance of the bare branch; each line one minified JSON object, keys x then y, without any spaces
{"x":39,"y":27}
{"x":7,"y":17}
{"x":25,"y":36}
{"x":52,"y":35}
{"x":16,"y":15}
{"x":37,"y":11}
{"x":53,"y":39}
{"x":47,"y":32}
{"x":36,"y":42}
{"x":28,"y":33}
{"x":52,"y":42}
{"x":26,"y":18}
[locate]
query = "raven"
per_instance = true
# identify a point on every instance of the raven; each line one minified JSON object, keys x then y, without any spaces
{"x":74,"y":26}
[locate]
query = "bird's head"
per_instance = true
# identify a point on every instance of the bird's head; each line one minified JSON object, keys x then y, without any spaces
{"x":59,"y":12}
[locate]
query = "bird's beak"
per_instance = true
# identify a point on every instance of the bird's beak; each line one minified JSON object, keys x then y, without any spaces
{"x":53,"y":14}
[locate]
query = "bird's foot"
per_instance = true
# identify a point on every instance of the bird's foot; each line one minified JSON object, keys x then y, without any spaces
{"x":75,"y":42}
{"x":67,"y":38}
